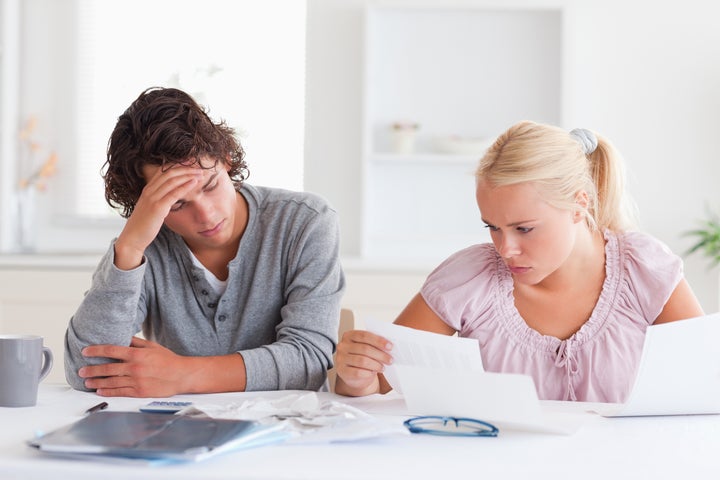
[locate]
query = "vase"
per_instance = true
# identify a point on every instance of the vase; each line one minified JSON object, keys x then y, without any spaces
{"x":25,"y":234}
{"x":403,"y":137}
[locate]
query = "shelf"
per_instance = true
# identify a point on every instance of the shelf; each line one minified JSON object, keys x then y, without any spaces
{"x":458,"y":77}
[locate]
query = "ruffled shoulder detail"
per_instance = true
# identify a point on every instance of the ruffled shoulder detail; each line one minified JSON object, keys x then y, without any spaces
{"x":462,"y":287}
{"x":649,"y":272}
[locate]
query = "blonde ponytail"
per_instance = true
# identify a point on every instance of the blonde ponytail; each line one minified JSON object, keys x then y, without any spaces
{"x":613,"y":210}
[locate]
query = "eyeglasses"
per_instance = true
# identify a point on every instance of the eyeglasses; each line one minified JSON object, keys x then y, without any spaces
{"x":451,"y":426}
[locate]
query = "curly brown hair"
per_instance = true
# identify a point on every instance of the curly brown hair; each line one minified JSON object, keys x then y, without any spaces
{"x":165,"y":126}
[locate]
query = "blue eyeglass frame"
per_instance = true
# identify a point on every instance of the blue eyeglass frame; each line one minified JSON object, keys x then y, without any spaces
{"x":479,"y":427}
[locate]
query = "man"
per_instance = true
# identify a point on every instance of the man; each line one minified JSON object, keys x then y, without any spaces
{"x":235,"y":287}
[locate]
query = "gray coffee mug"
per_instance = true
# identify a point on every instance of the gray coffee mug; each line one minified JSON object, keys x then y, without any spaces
{"x":23,"y":363}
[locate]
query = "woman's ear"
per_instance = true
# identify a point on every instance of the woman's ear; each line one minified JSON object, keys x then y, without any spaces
{"x":582,"y":200}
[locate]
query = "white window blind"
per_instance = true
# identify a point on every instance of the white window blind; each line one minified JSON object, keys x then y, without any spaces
{"x":243,"y":59}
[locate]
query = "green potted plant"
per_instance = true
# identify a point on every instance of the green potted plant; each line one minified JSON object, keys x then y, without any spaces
{"x":707,"y":239}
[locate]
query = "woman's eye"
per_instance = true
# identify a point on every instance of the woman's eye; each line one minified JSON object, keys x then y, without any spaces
{"x":492,"y":228}
{"x":211,"y":187}
{"x":524,"y":229}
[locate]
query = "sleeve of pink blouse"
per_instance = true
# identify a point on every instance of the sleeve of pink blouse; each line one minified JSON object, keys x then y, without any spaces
{"x":461,"y":284}
{"x":653,"y":272}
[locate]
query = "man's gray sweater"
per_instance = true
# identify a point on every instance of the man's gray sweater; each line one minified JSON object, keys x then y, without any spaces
{"x":280,"y":310}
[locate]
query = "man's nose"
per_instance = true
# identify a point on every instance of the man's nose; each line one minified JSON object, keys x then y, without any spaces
{"x":203,"y":211}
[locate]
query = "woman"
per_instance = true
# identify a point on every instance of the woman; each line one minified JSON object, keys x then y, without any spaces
{"x":564,"y":293}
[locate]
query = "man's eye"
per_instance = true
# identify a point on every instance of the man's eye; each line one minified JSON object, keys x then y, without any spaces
{"x":177,"y":206}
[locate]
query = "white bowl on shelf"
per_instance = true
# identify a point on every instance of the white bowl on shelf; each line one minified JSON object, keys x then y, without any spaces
{"x":457,"y":145}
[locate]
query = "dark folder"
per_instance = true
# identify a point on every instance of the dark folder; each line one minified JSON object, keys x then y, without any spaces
{"x":155,"y":436}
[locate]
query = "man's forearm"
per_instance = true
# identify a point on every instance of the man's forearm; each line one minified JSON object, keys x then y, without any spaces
{"x":222,"y":373}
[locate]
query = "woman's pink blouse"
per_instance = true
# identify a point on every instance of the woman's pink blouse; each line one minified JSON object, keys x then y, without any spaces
{"x":472,"y":291}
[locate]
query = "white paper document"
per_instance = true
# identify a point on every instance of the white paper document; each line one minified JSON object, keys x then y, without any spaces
{"x":508,"y":401}
{"x":444,"y":375}
{"x":424,"y":349}
{"x":679,"y":371}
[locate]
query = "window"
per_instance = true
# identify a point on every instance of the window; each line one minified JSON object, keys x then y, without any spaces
{"x":242,"y":59}
{"x":79,"y":63}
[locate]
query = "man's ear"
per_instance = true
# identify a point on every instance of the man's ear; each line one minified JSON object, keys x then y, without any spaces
{"x":582,"y":199}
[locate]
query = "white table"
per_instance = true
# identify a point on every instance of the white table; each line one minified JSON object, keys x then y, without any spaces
{"x":682,"y":447}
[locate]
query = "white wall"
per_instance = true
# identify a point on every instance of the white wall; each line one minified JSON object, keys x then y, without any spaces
{"x":645,"y":74}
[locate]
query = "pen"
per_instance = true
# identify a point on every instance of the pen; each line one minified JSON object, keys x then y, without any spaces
{"x":97,"y":408}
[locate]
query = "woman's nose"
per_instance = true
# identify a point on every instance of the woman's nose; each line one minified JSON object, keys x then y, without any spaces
{"x":508,"y":247}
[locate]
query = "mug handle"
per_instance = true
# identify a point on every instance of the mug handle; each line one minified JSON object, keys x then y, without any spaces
{"x":47,"y":363}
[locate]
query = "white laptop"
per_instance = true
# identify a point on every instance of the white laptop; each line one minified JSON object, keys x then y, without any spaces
{"x":679,"y":372}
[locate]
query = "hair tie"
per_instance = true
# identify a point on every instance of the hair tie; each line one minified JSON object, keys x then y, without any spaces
{"x":588,"y":140}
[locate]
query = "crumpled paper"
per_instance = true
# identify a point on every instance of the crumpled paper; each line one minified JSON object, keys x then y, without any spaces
{"x":305,"y":417}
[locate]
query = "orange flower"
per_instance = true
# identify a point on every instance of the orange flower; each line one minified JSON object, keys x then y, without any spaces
{"x":38,"y":177}
{"x":29,"y":128}
{"x":49,"y":168}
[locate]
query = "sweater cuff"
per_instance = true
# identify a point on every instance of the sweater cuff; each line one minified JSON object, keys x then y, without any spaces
{"x":261,"y":372}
